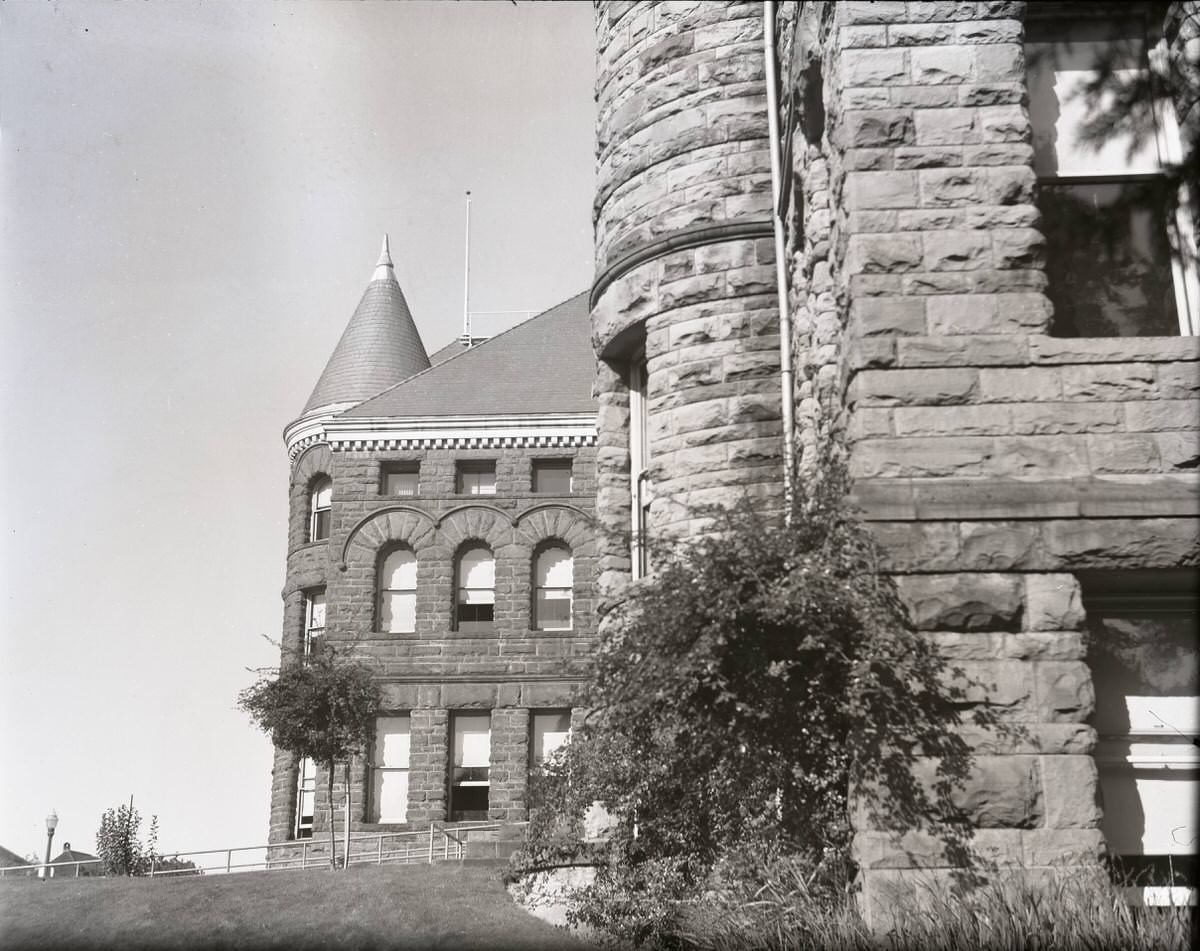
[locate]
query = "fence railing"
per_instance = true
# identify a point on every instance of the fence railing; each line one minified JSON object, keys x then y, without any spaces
{"x":365,"y":848}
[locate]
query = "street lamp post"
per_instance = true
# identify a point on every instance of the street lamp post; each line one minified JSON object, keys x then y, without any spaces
{"x":51,"y":825}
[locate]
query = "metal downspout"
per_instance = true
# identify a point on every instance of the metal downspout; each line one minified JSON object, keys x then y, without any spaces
{"x":781,"y":278}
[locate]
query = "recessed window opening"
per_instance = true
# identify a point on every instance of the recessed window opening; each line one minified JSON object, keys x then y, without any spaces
{"x":320,"y":503}
{"x":470,"y":766}
{"x":548,"y":731}
{"x":389,"y":769}
{"x":552,"y":476}
{"x":306,"y":799}
{"x":398,"y":592}
{"x":401,"y":478}
{"x":314,"y":619}
{"x":1120,"y":248}
{"x":641,"y":487}
{"x":476,"y":478}
{"x":475,"y":602}
{"x":554,"y":579}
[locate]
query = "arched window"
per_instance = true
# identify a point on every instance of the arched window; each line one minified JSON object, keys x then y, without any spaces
{"x":475,"y":600}
{"x":319,"y":500}
{"x":398,"y":592}
{"x":553,"y":579}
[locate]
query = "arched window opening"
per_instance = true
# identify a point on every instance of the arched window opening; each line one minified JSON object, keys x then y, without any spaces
{"x":475,"y":603}
{"x":320,"y":500}
{"x":554,"y":580}
{"x":398,"y":592}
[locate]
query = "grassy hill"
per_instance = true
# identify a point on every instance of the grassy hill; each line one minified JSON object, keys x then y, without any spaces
{"x":416,"y":906}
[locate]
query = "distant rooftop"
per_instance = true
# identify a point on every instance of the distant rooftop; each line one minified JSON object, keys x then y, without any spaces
{"x":543,"y":365}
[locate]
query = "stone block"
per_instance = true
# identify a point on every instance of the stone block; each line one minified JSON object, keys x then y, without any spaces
{"x":1123,"y":453}
{"x":1045,"y":457}
{"x":919,"y":34}
{"x":882,"y":253}
{"x":1161,"y":415}
{"x":1047,"y":419}
{"x":891,"y":189}
{"x":1018,"y":248}
{"x":1109,"y":382}
{"x":987,"y":419}
{"x":1062,"y":847}
{"x":1000,"y":792}
{"x":920,"y":457}
{"x":998,"y":546}
{"x":963,"y":602}
{"x":872,"y":128}
{"x":468,"y":696}
{"x":1053,"y":603}
{"x":1122,"y":543}
{"x":873,"y":67}
{"x":929,"y":156}
{"x":917,"y":546}
{"x":1064,"y":691}
{"x":941,"y":65}
{"x":871,"y":316}
{"x":1179,"y":381}
{"x":914,"y":387}
{"x":946,"y":126}
{"x":1070,"y":792}
{"x":1020,"y":385}
{"x":956,"y":250}
{"x":1001,"y":63}
{"x":867,"y":11}
{"x":1178,"y":450}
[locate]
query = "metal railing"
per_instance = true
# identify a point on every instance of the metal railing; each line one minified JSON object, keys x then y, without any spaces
{"x":366,"y":848}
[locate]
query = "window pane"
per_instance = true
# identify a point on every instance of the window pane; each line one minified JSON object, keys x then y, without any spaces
{"x":322,"y":496}
{"x":400,"y":483}
{"x":550,"y":731}
{"x":320,"y":525}
{"x":553,"y":477}
{"x":392,"y":742}
{"x":1062,"y":58}
{"x":399,"y":570}
{"x":472,"y":740}
{"x":553,"y":609}
{"x":477,"y":478}
{"x":554,"y":568}
{"x":390,"y":795}
{"x":316,"y":611}
{"x":1108,"y":260}
{"x":477,"y":569}
{"x":398,"y":612}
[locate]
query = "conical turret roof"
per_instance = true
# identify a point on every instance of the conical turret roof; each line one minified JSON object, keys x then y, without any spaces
{"x":379,"y":347}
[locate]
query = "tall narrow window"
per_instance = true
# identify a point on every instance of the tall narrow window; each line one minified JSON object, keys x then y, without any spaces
{"x":639,"y":466}
{"x":1142,"y":649}
{"x":554,"y":579}
{"x":306,"y":798}
{"x":476,"y":597}
{"x":320,"y":501}
{"x":548,"y":730}
{"x":398,"y":592}
{"x":552,"y":476}
{"x":1120,"y":250}
{"x":401,"y":478}
{"x":389,"y":770}
{"x":470,"y":769}
{"x":314,"y":618}
{"x":476,"y":478}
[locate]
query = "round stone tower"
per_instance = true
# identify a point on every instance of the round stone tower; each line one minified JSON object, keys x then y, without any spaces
{"x":684,"y":311}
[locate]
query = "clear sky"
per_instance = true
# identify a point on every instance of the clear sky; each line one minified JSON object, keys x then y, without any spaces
{"x":192,"y":197}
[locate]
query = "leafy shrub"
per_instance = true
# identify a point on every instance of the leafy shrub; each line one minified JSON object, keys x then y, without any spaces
{"x":117,"y":844}
{"x":742,"y":690}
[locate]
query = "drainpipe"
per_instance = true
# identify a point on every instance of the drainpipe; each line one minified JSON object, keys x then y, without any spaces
{"x":786,"y":373}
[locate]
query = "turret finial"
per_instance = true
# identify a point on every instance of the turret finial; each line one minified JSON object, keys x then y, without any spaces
{"x":384,"y":269}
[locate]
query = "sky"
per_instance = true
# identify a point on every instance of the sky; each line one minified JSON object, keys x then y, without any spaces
{"x":192,"y":198}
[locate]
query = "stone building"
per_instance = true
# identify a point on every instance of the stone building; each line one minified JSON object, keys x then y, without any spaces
{"x":440,"y":527}
{"x":999,"y":316}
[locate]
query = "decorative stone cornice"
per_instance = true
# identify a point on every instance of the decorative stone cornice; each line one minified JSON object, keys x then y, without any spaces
{"x":309,"y":429}
{"x":346,"y":434}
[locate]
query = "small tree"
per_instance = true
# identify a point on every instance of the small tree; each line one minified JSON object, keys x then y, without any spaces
{"x":323,"y":708}
{"x":120,"y":850}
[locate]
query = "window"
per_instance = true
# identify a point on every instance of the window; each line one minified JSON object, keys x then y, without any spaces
{"x":476,"y":478}
{"x":389,"y":770}
{"x":639,"y":466}
{"x":306,"y":799}
{"x":314,"y":618}
{"x":553,"y":574}
{"x":319,"y":501}
{"x":476,"y":601}
{"x":1120,"y":253}
{"x":401,"y":478}
{"x":398,"y":592}
{"x":548,"y":730}
{"x":1142,"y":648}
{"x":552,"y":476}
{"x":470,"y":765}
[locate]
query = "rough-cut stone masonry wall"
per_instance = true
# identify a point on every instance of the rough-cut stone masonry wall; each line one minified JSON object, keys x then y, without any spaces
{"x":436,"y":670}
{"x":684,"y":262}
{"x":993,"y":460}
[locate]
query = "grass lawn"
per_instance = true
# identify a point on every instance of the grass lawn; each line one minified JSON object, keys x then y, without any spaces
{"x":416,"y":906}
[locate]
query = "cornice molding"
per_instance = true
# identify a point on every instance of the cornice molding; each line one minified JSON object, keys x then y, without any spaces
{"x":444,"y":432}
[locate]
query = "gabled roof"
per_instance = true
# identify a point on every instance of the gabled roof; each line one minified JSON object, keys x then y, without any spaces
{"x":9,"y":858}
{"x":543,"y":365}
{"x":380,"y":346}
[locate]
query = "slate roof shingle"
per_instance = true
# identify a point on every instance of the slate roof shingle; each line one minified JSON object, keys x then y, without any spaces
{"x":542,"y":365}
{"x":379,"y":346}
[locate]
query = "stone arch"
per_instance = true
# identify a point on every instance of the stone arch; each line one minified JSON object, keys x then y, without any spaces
{"x":396,"y":525}
{"x":486,"y":523}
{"x":555,"y":520}
{"x":313,"y":462}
